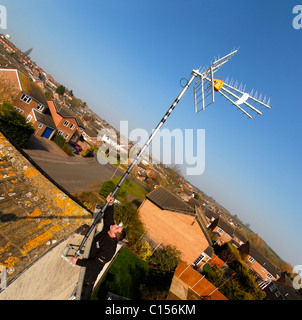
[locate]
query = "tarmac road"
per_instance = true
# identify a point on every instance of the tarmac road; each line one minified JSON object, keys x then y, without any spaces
{"x":76,"y":174}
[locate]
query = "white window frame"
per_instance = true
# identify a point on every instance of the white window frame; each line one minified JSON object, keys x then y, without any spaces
{"x":29,"y":117}
{"x":40,"y":126}
{"x":25,"y":98}
{"x":40,"y":107}
{"x":269,"y":276}
{"x":200,"y":258}
{"x":72,"y":126}
{"x":251,"y":259}
{"x":66,"y":123}
{"x":227,"y":235}
{"x":220,"y":231}
{"x":19,"y":109}
{"x":60,"y":132}
{"x":66,"y":136}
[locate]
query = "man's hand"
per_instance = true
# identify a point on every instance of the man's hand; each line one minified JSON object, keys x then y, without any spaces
{"x":109,"y":199}
{"x":74,"y":260}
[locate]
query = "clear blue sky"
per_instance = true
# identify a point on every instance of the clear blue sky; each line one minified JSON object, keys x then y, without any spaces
{"x":125,"y":59}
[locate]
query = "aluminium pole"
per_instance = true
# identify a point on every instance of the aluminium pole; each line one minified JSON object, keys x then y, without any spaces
{"x":99,"y":216}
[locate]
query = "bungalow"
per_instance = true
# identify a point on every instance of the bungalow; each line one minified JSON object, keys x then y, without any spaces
{"x":170,"y":221}
{"x":258,"y":263}
{"x":29,"y":99}
{"x":67,"y":123}
{"x":224,"y":230}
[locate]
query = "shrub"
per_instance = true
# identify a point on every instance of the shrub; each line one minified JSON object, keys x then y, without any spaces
{"x":146,"y":251}
{"x":15,"y":125}
{"x":165,"y":260}
{"x":61,"y":142}
{"x":108,"y":186}
{"x":88,"y":152}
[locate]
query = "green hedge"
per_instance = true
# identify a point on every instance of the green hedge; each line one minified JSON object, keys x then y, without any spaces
{"x":15,"y":125}
{"x":60,"y":141}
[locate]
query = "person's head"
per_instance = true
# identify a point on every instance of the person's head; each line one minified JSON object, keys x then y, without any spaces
{"x":117,"y":232}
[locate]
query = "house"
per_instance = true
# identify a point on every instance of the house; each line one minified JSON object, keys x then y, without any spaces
{"x":7,"y":45}
{"x":223,"y":229}
{"x":210,"y":215}
{"x":238,"y":239}
{"x":29,"y":99}
{"x":67,"y":123}
{"x":259,"y":264}
{"x":91,"y":136}
{"x":170,"y":221}
{"x":282,"y":289}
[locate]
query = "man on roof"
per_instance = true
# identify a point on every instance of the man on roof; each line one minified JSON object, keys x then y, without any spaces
{"x":102,"y":249}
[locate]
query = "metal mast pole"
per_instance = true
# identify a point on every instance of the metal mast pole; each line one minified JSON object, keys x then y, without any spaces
{"x":194,"y":74}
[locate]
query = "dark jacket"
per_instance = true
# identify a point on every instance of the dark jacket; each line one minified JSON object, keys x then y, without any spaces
{"x":103,"y":246}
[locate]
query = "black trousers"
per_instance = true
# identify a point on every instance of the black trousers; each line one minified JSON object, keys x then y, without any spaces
{"x":93,"y":269}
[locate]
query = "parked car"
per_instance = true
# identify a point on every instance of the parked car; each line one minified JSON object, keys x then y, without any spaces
{"x":75,"y":151}
{"x":78,"y":147}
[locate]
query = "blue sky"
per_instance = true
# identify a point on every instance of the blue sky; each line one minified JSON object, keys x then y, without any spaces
{"x":126,"y":58}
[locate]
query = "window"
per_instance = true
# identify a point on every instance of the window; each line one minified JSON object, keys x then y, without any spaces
{"x":263,"y":270}
{"x":195,"y":263}
{"x":29,"y":117}
{"x":66,"y":123}
{"x":227,"y":235}
{"x":72,"y":126}
{"x":19,"y":109}
{"x":269,"y":275}
{"x":60,"y":132}
{"x":66,"y":136}
{"x":251,"y":259}
{"x":25,"y":98}
{"x":220,"y":231}
{"x":40,"y":107}
{"x":74,"y":138}
{"x":40,"y":126}
{"x":272,"y":288}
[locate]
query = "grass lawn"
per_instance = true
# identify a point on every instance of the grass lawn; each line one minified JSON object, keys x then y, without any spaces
{"x":124,"y":277}
{"x":131,"y":188}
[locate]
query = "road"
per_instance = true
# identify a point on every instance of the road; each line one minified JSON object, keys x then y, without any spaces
{"x":75,"y":174}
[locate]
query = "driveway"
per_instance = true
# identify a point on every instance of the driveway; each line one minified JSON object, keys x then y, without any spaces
{"x":74,"y":173}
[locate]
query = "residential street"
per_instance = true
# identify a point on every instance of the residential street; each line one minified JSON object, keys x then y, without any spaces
{"x":75,"y":174}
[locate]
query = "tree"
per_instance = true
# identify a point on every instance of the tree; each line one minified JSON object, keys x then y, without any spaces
{"x":7,"y":90}
{"x":129,"y":216}
{"x":15,"y":125}
{"x":60,"y":89}
{"x":165,"y":260}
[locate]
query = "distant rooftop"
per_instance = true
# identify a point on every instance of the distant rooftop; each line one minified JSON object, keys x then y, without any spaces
{"x":168,"y":201}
